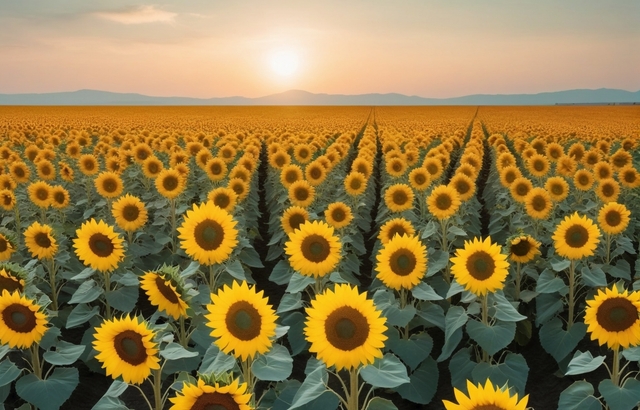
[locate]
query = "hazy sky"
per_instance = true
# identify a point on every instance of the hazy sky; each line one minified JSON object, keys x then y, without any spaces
{"x":206,"y":48}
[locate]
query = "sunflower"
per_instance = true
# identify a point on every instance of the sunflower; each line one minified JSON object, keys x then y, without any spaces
{"x":576,"y":237}
{"x":225,"y":198}
{"x":480,"y":267}
{"x":608,"y":190}
{"x":129,"y":212}
{"x":629,"y":177}
{"x":355,"y":183}
{"x":59,"y":197}
{"x":6,"y":246}
{"x":66,"y":172}
{"x":464,"y":185}
{"x":161,"y":287}
{"x":40,"y":194}
{"x":538,"y":165}
{"x":399,"y":197}
{"x":613,"y":218}
{"x":216,"y":169}
{"x":212,"y":395}
{"x":242,"y":320}
{"x":279,"y":159}
{"x":620,"y":159}
{"x":506,"y":159}
{"x":557,"y":188}
{"x":396,"y":167}
{"x":443,"y":202}
{"x":338,"y":215}
{"x":12,"y":279}
{"x":152,"y":167}
{"x":602,"y":170}
{"x":98,"y":246}
{"x":7,"y":199}
{"x":315,"y":173}
{"x":290,"y":174}
{"x":538,"y":203}
{"x":40,"y":241}
{"x":88,"y":164}
{"x":434,"y":167}
{"x":583,"y":180}
{"x":301,"y":193}
{"x":613,"y":317}
{"x":302,"y":153}
{"x":402,"y":262}
{"x":292,"y":218}
{"x":313,"y":249}
{"x":240,"y":187}
{"x":109,"y":184}
{"x":20,"y":172}
{"x":126,"y":348}
{"x":487,"y":397}
{"x":419,"y":179}
{"x":345,"y":329}
{"x":591,"y":158}
{"x":520,"y":188}
{"x":523,"y":248}
{"x":566,"y":166}
{"x":170,"y":183}
{"x":393,"y":227}
{"x":208,"y":234}
{"x":22,"y":321}
{"x":362,"y":166}
{"x":6,"y":182}
{"x":508,"y":175}
{"x":141,"y":152}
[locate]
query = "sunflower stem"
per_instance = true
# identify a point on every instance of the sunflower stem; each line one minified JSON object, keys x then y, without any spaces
{"x":35,"y":360}
{"x":52,"y":283}
{"x":352,"y":397}
{"x":107,"y":289}
{"x":172,"y":203}
{"x":249,"y":379}
{"x":608,"y":242}
{"x":615,"y":371}
{"x":403,"y":304}
{"x":157,"y":389}
{"x":572,"y":285}
{"x":184,"y":340}
{"x":16,"y":210}
{"x":518,"y":280}
{"x":212,"y":278}
{"x":485,"y":321}
{"x":129,"y":237}
{"x":317,"y":286}
{"x":445,"y":248}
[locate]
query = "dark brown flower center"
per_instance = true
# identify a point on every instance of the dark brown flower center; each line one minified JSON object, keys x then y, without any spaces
{"x":4,"y":245}
{"x":19,"y":318}
{"x":630,"y":177}
{"x":101,"y":245}
{"x":355,"y":184}
{"x":59,"y":197}
{"x":444,"y":202}
{"x":315,"y":248}
{"x":462,"y":186}
{"x":301,"y":193}
{"x":215,"y":401}
{"x":243,"y":320}
{"x":238,"y":188}
{"x":603,"y":172}
{"x":617,"y":314}
{"x":346,"y":328}
{"x":109,"y":185}
{"x":396,"y":229}
{"x":7,"y":200}
{"x":613,"y":218}
{"x":521,"y":248}
{"x":432,"y":168}
{"x":208,"y":234}
{"x":130,"y":213}
{"x":399,"y":197}
{"x":45,"y":169}
{"x":166,"y":290}
{"x":19,"y":172}
{"x":10,"y":284}
{"x":608,"y":190}
{"x":42,"y":239}
{"x":539,"y":165}
{"x":303,"y":153}
{"x":576,"y":236}
{"x":89,"y":165}
{"x":222,"y":200}
{"x":170,"y":183}
{"x":153,"y":167}
{"x":338,"y":215}
{"x":510,"y":176}
{"x":419,"y":179}
{"x":522,"y":189}
{"x":280,"y":160}
{"x":291,"y":176}
{"x":296,"y":220}
{"x":315,"y":173}
{"x":130,"y":348}
{"x":480,"y":265}
{"x":402,"y":262}
{"x":42,"y":194}
{"x":539,"y":203}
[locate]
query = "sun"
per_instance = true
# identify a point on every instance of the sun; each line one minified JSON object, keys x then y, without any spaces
{"x":284,"y":62}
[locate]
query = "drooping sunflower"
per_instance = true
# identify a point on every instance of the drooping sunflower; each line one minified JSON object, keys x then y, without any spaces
{"x":88,"y":164}
{"x":523,"y":248}
{"x":419,"y":179}
{"x":399,"y":197}
{"x":393,"y":227}
{"x":242,"y":320}
{"x":6,"y":246}
{"x":464,"y":185}
{"x":608,"y":190}
{"x":40,"y":241}
{"x":613,"y":317}
{"x":290,"y":174}
{"x":629,"y":177}
{"x":223,"y":197}
{"x":313,"y":249}
{"x":345,"y":329}
{"x":7,"y":199}
{"x":163,"y":289}
{"x":109,"y":184}
{"x":480,"y":267}
{"x":212,"y":395}
{"x":40,"y":194}
{"x":126,"y":348}
{"x":402,"y":262}
{"x":338,"y":215}
{"x":216,"y":169}
{"x":208,"y":234}
{"x":22,"y":321}
{"x":12,"y":279}
{"x":97,"y":245}
{"x":315,"y":173}
{"x":129,"y":212}
{"x":301,"y":193}
{"x":292,"y":218}
{"x":576,"y":237}
{"x":152,"y":167}
{"x":538,"y":165}
{"x":614,"y":218}
{"x":59,"y":197}
{"x":443,"y":202}
{"x":355,"y":183}
{"x":520,"y":188}
{"x":538,"y":203}
{"x":20,"y":172}
{"x":486,"y":397}
{"x":558,"y":188}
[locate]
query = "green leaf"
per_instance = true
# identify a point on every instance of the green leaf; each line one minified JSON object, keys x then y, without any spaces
{"x":87,"y":292}
{"x":235,"y":269}
{"x":65,"y":353}
{"x":295,"y":335}
{"x":86,"y":273}
{"x":290,"y":301}
{"x":432,"y":314}
{"x":275,"y":365}
{"x":429,"y":230}
{"x":124,"y":298}
{"x":390,"y":307}
{"x":548,"y":282}
{"x":632,"y":353}
{"x":558,"y":342}
{"x":560,"y":265}
{"x":81,"y":314}
{"x":378,"y":403}
{"x":547,"y":306}
{"x":625,"y":397}
{"x":250,"y":258}
{"x":513,"y":371}
{"x":583,"y":362}
{"x":175,"y":351}
{"x":110,"y":400}
{"x":422,"y":291}
{"x":621,"y":269}
{"x":299,"y":282}
{"x":423,"y":383}
{"x":454,"y":289}
{"x":579,"y":396}
{"x":438,"y":260}
{"x":388,"y":372}
{"x":492,"y":338}
{"x":504,"y":310}
{"x":455,"y":318}
{"x":593,"y":277}
{"x":326,"y":401}
{"x":312,"y":387}
{"x":412,"y":351}
{"x":4,"y":349}
{"x":461,"y":368}
{"x":51,"y":393}
{"x":190,"y":270}
{"x":456,"y":231}
{"x":8,"y":372}
{"x":216,"y":361}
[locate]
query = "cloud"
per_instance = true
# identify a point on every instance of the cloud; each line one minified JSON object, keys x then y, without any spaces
{"x":138,"y":15}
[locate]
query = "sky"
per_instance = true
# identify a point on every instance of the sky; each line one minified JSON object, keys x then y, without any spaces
{"x":253,"y":48}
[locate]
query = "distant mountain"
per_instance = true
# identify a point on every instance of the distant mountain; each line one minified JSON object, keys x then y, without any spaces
{"x":299,"y":97}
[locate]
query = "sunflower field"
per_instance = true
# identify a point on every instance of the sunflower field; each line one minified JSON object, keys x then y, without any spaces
{"x":319,"y":257}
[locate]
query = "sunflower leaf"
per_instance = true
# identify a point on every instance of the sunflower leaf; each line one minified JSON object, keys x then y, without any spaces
{"x":87,"y":292}
{"x":461,"y":367}
{"x":548,"y":282}
{"x":438,"y":260}
{"x":632,"y":353}
{"x":174,"y":351}
{"x":275,"y":365}
{"x":51,"y":393}
{"x":594,"y":277}
{"x":513,"y":371}
{"x":290,"y":301}
{"x":560,"y":265}
{"x":579,"y":396}
{"x":378,"y":403}
{"x":299,"y":282}
{"x":123,"y":298}
{"x":583,"y":362}
{"x":65,"y":353}
{"x":492,"y":338}
{"x":235,"y":269}
{"x":216,"y":361}
{"x":412,"y":351}
{"x":86,"y":273}
{"x":455,"y":318}
{"x":388,"y":372}
{"x":504,"y":310}
{"x":423,"y":383}
{"x":429,"y":230}
{"x":8,"y":372}
{"x":559,"y":342}
{"x":625,"y":397}
{"x":312,"y":387}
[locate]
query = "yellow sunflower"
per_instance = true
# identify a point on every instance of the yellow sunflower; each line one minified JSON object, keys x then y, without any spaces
{"x":152,"y":167}
{"x":508,"y":175}
{"x":395,"y":167}
{"x":523,"y":248}
{"x":486,"y":397}
{"x":216,"y":169}
{"x":602,"y":170}
{"x":434,"y":167}
{"x":242,"y":320}
{"x":576,"y":237}
{"x":419,"y":179}
{"x":393,"y":227}
{"x":338,"y":215}
{"x":11,"y":279}
{"x":557,"y":188}
{"x":20,"y":172}
{"x":7,"y":199}
{"x":614,"y":218}
{"x":66,"y":172}
{"x":620,"y":159}
{"x":22,"y":321}
{"x":315,"y":173}
{"x":170,"y":183}
{"x":302,"y":153}
{"x":313,"y":249}
{"x":464,"y":185}
{"x":59,"y":197}
{"x":141,"y":152}
{"x":591,"y":158}
{"x":520,"y":188}
{"x":40,"y":241}
{"x":480,"y":267}
{"x":443,"y":202}
{"x":345,"y":329}
{"x":583,"y":180}
{"x":292,"y":218}
{"x":538,"y":203}
{"x":162,"y":289}
{"x":98,"y":246}
{"x":126,"y":348}
{"x":46,"y":170}
{"x":203,"y":395}
{"x":109,"y":184}
{"x":6,"y":247}
{"x":629,"y":177}
{"x":402,"y":262}
{"x":225,"y":198}
{"x":129,"y":212}
{"x":355,"y":183}
{"x":40,"y":194}
{"x":279,"y":159}
{"x":399,"y":197}
{"x":613,"y":317}
{"x":608,"y":190}
{"x":88,"y":164}
{"x":208,"y":234}
{"x":538,"y":165}
{"x":301,"y":193}
{"x":290,"y":174}
{"x":362,"y":166}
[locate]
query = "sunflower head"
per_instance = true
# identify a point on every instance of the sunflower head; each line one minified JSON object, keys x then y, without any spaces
{"x":402,"y":262}
{"x":538,"y":203}
{"x":614,"y":218}
{"x":223,"y":197}
{"x":7,"y":199}
{"x":399,"y":197}
{"x":60,"y":198}
{"x":608,"y":190}
{"x":165,"y":289}
{"x":443,"y":202}
{"x":508,"y":175}
{"x":129,"y":212}
{"x":152,"y":166}
{"x":293,"y":217}
{"x":290,"y":174}
{"x":393,"y":227}
{"x":109,"y":184}
{"x":170,"y":183}
{"x":40,"y":194}
{"x":315,"y":173}
{"x":212,"y":394}
{"x":338,"y":215}
{"x":40,"y":241}
{"x":464,"y":185}
{"x":538,"y":165}
{"x":523,"y":248}
{"x":345,"y":328}
{"x":583,"y":180}
{"x":519,"y":188}
{"x":487,"y":397}
{"x":419,"y":179}
{"x":313,"y":249}
{"x":12,"y":277}
{"x":97,"y":245}
{"x":480,"y":267}
{"x":355,"y":183}
{"x":613,"y":317}
{"x":22,"y":321}
{"x":301,"y":193}
{"x":576,"y":237}
{"x":629,"y":177}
